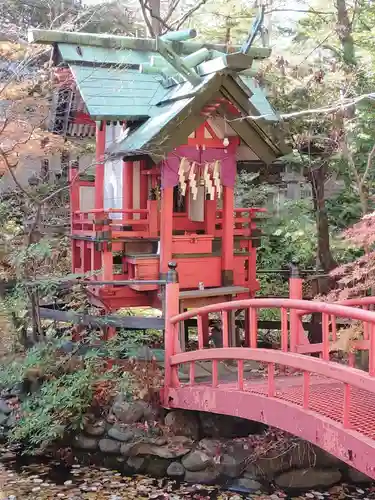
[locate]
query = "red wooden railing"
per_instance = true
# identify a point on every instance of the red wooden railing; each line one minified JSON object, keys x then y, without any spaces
{"x":91,"y":221}
{"x":244,"y":222}
{"x":320,"y":399}
{"x":287,"y":355}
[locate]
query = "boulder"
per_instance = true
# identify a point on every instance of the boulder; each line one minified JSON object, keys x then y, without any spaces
{"x":180,"y":441}
{"x":109,"y":446}
{"x":225,"y":426}
{"x":183,"y":423}
{"x":95,"y":428}
{"x":157,"y":467}
{"x":205,"y":476}
{"x":355,"y":476}
{"x":211,"y":447}
{"x":196,"y":460}
{"x":245,"y":485}
{"x":232,"y":466}
{"x":299,"y":455}
{"x":158,"y":441}
{"x":126,"y":449}
{"x":175,"y":469}
{"x":128,"y":412}
{"x":320,"y":458}
{"x":124,"y":433}
{"x":85,"y":443}
{"x":146,"y":449}
{"x":136,"y":463}
{"x":306,"y":479}
{"x":4,"y":408}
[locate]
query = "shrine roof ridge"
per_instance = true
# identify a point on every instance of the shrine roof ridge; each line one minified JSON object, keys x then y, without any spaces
{"x":117,"y":42}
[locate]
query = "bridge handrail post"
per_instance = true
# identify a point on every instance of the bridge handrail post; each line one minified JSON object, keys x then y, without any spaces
{"x":295,"y":292}
{"x":171,"y":341}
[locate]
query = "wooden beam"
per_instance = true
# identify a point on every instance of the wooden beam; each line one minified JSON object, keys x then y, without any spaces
{"x":247,"y":133}
{"x":236,"y":62}
{"x":165,"y":49}
{"x":128,"y":322}
{"x":240,"y":94}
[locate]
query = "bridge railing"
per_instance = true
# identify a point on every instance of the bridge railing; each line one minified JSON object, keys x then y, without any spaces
{"x":292,"y":349}
{"x":330,"y":324}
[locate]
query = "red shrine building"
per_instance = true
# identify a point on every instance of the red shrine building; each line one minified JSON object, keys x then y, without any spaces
{"x":172,"y":117}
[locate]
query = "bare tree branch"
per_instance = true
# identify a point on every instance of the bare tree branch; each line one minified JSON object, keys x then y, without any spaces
{"x":142,"y":3}
{"x":179,"y":22}
{"x":158,"y":18}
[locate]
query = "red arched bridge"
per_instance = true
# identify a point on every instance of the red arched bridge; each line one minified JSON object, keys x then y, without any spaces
{"x":301,"y":388}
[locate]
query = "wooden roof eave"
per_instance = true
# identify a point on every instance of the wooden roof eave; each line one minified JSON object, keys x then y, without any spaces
{"x":240,"y":95}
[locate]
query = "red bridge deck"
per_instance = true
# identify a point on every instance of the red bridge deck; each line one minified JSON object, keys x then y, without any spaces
{"x":326,"y":398}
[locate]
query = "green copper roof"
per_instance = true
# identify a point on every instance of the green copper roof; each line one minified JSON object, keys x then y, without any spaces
{"x":157,"y":135}
{"x":117,"y":93}
{"x":166,"y":83}
{"x":179,"y":114}
{"x":101,"y":55}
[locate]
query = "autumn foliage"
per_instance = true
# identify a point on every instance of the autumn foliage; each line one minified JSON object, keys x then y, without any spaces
{"x":357,"y":278}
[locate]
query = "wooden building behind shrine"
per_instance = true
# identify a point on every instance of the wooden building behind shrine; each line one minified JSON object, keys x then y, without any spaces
{"x":172,"y":118}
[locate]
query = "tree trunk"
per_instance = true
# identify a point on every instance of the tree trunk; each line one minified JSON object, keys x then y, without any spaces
{"x":324,"y":255}
{"x":325,"y":260}
{"x":344,"y":32}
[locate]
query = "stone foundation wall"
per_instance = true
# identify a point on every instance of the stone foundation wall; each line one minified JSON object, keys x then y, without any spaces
{"x":201,"y":447}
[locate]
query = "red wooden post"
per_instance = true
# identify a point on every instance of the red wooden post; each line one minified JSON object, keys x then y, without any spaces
{"x":107,"y":262}
{"x":99,"y":171}
{"x":74,"y":190}
{"x":205,"y":327}
{"x":74,"y":207}
{"x":86,"y":256}
{"x":247,"y":328}
{"x":210,"y":216}
{"x":295,"y":292}
{"x":192,"y":373}
{"x":284,"y":329}
{"x":153,"y":213}
{"x":200,"y":332}
{"x":240,"y":374}
{"x":228,"y":235}
{"x":225,"y":328}
{"x":372,"y":350}
{"x":325,"y":336}
{"x":253,"y":334}
{"x":166,"y":223}
{"x":96,"y":259}
{"x":127,"y":187}
{"x":143,"y":188}
{"x":171,"y":343}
